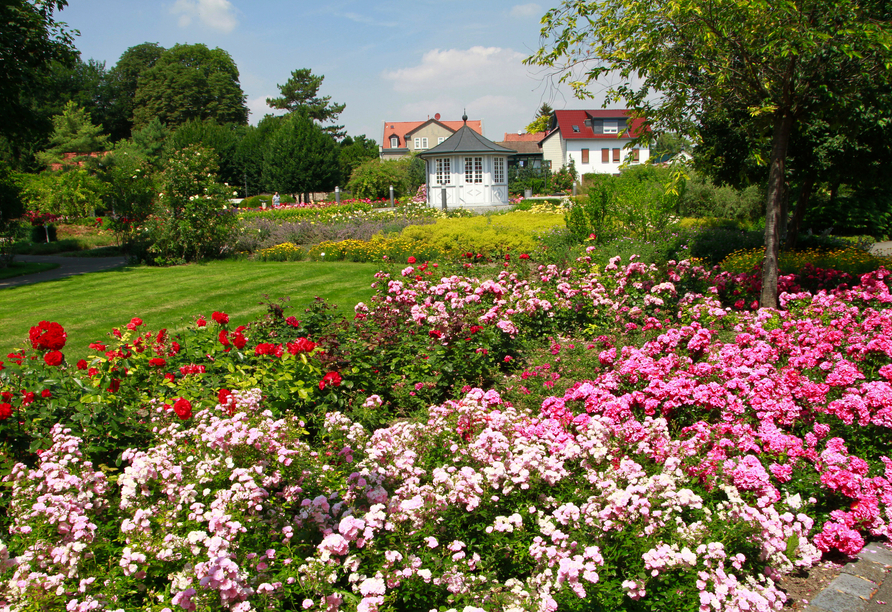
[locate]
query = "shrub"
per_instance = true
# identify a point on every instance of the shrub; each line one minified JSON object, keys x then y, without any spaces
{"x":851,"y":260}
{"x":193,"y":220}
{"x":281,"y":252}
{"x":372,"y":179}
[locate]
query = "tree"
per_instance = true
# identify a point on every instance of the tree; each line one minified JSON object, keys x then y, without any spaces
{"x":222,"y":140}
{"x":353,"y":152}
{"x":300,"y":92}
{"x":74,"y":133}
{"x":249,"y":154}
{"x":540,"y":123}
{"x":300,"y":157}
{"x":190,"y":82}
{"x":11,"y":208}
{"x":679,"y":58}
{"x":30,"y":40}
{"x":123,"y":81}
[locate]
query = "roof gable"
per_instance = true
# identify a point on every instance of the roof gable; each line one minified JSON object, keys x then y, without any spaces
{"x":576,"y":124}
{"x":403,"y":129}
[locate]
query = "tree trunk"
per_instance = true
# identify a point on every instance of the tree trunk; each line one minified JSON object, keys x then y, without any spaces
{"x":783,"y":126}
{"x":799,"y":213}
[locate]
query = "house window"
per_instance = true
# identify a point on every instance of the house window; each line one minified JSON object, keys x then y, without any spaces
{"x":394,"y":142}
{"x":441,"y":139}
{"x":575,"y":129}
{"x":635,"y":156}
{"x":421,"y":143}
{"x":585,"y":156}
{"x":610,"y":126}
{"x":424,"y":143}
{"x":444,"y":172}
{"x":605,"y":156}
{"x":616,"y":157}
{"x":498,"y":169}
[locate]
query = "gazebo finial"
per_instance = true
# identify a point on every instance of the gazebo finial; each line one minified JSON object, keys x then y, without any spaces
{"x":464,"y":117}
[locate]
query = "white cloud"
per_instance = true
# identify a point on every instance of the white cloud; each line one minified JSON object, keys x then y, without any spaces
{"x":526,"y":10}
{"x":214,"y":14}
{"x":445,"y":70}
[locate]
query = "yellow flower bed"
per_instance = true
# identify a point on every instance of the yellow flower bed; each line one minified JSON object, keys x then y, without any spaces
{"x":281,"y":252}
{"x":849,"y":259}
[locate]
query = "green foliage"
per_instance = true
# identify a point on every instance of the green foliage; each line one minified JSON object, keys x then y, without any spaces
{"x":147,"y":143}
{"x":353,"y":152}
{"x":702,"y":198}
{"x":563,"y":179}
{"x":72,"y":193}
{"x":129,"y":197}
{"x":373,"y":178}
{"x":300,"y":93}
{"x":852,"y":212}
{"x":221,"y":140}
{"x":192,"y":219}
{"x":73,"y":133}
{"x":124,"y":81}
{"x":493,"y":236}
{"x":300,"y":157}
{"x":543,"y":117}
{"x":259,"y":200}
{"x":11,"y":209}
{"x":639,"y":203}
{"x":30,"y":40}
{"x":190,"y":82}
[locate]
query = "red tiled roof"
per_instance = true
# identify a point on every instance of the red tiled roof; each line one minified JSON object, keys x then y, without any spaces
{"x":525,"y":137}
{"x":566,"y":119}
{"x":401,"y":128}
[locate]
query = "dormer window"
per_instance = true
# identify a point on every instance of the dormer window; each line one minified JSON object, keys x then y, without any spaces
{"x":610,"y":126}
{"x":394,"y":142}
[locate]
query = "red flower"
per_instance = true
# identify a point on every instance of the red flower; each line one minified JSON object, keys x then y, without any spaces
{"x":301,"y":345}
{"x":201,"y":322}
{"x":115,"y":385}
{"x":435,"y":333}
{"x":223,"y":338}
{"x":92,"y":372}
{"x":53,"y":358}
{"x":46,"y":394}
{"x":5,"y":411}
{"x":192,"y":369}
{"x":524,"y":256}
{"x":292,"y":321}
{"x":507,"y":257}
{"x":134,"y":323}
{"x":82,"y":364}
{"x":157,"y":362}
{"x":238,"y":340}
{"x":183,"y":408}
{"x":220,"y":317}
{"x":412,"y":260}
{"x":266,"y":348}
{"x":97,"y":346}
{"x":47,"y":336}
{"x":27,"y":397}
{"x":15,"y":358}
{"x":174,"y":348}
{"x":332,"y":378}
{"x":224,"y":397}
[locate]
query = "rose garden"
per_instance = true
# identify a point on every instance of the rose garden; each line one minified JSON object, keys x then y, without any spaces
{"x":484,"y":434}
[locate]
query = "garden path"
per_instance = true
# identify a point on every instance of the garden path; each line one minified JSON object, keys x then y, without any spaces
{"x":68,"y":266}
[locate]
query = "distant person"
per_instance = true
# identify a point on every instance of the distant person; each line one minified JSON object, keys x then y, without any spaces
{"x":276,"y":200}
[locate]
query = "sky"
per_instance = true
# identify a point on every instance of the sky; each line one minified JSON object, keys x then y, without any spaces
{"x":387,"y":60}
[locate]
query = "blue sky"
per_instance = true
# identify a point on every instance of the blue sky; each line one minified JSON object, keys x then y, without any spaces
{"x":387,"y":60}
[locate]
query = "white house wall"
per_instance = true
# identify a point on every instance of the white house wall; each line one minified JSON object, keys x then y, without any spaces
{"x":595,"y":165}
{"x":553,"y":151}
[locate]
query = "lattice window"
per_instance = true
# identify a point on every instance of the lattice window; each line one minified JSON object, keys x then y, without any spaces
{"x":498,"y":170}
{"x":444,"y":172}
{"x":478,"y":169}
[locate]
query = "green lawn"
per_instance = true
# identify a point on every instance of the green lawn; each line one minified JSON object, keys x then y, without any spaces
{"x":90,"y":305}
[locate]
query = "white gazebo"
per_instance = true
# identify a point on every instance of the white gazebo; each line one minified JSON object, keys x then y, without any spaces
{"x":468,"y":170}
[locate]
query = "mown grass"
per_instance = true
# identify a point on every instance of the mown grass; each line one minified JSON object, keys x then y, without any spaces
{"x":90,"y":305}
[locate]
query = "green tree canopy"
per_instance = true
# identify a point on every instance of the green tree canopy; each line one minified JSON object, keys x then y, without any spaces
{"x":74,"y":133}
{"x":222,"y":140}
{"x":300,"y":157}
{"x":354,"y":150}
{"x":30,"y":40}
{"x":676,"y":59}
{"x":540,"y":123}
{"x":190,"y":82}
{"x":301,"y":92}
{"x":123,"y":81}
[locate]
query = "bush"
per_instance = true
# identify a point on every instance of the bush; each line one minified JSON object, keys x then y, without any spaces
{"x":702,"y":198}
{"x":193,"y":220}
{"x":258,"y":201}
{"x":281,"y":252}
{"x":44,"y":233}
{"x":372,"y":179}
{"x":490,"y":235}
{"x":850,"y":260}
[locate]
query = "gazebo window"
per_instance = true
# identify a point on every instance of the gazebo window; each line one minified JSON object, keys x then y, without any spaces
{"x":444,"y":173}
{"x":498,"y":169}
{"x":473,"y":170}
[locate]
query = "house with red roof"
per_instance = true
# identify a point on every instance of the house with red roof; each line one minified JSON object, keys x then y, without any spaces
{"x":597,"y":141}
{"x":404,"y":137}
{"x":529,"y":154}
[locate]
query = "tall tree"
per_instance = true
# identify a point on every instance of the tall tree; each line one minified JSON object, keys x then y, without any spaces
{"x":250,"y":153}
{"x":222,"y":140}
{"x":74,"y":133}
{"x":30,"y":40}
{"x":190,"y":82}
{"x":540,"y":123}
{"x":677,"y":58}
{"x":123,"y":81}
{"x":301,"y":92}
{"x":354,"y":150}
{"x":300,"y":157}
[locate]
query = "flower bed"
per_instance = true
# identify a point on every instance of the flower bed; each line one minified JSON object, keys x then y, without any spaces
{"x":703,"y":453}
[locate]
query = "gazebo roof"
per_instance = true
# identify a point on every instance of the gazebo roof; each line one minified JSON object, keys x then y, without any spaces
{"x":466,"y":140}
